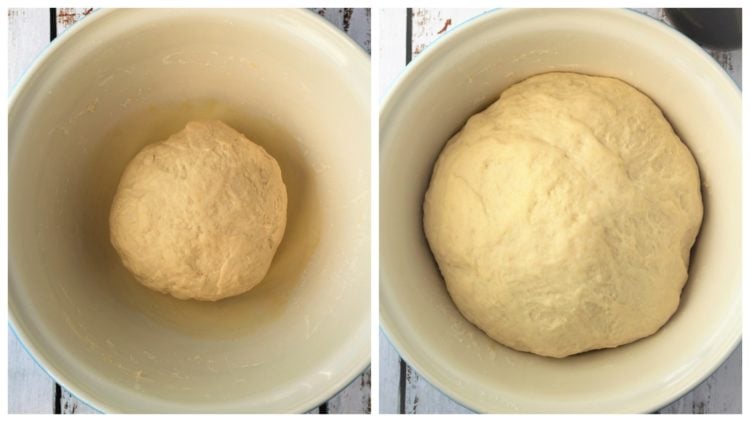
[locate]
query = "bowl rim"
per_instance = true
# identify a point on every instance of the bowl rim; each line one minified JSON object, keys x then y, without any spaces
{"x":413,"y":70}
{"x":24,"y":83}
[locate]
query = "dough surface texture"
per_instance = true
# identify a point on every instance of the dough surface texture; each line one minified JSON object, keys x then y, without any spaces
{"x":563,"y":215}
{"x":201,"y":214}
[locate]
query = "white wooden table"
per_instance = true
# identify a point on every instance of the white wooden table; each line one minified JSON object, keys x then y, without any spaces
{"x":404,"y":33}
{"x":30,"y":389}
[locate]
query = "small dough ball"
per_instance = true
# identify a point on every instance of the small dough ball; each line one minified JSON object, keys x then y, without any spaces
{"x":562,"y":216}
{"x":200,"y":215}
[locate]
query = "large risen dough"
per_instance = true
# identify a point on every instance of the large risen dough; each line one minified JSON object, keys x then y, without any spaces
{"x":562,"y":216}
{"x":200,"y":215}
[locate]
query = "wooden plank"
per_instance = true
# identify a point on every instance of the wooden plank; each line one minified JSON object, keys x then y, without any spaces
{"x":30,"y":389}
{"x":28,"y":35}
{"x":392,"y":60}
{"x":69,"y":404}
{"x":719,"y":393}
{"x":429,"y":24}
{"x":389,"y":378}
{"x":392,"y":51}
{"x":68,"y":16}
{"x":354,"y":22}
{"x":731,"y":61}
{"x":421,"y":397}
{"x":355,"y":398}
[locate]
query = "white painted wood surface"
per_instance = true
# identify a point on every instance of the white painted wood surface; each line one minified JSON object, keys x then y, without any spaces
{"x":389,"y":378}
{"x":23,"y":45}
{"x":392,"y":48}
{"x":355,"y":398}
{"x":30,"y":389}
{"x":402,"y":390}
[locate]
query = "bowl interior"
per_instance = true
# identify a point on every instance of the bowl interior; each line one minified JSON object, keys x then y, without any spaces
{"x":123,"y":79}
{"x":465,"y":72}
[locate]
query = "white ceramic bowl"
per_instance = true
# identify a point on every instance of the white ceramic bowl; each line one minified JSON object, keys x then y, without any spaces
{"x":122,"y":79}
{"x":460,"y":75}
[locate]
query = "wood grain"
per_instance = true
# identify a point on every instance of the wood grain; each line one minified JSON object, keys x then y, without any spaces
{"x":392,"y":47}
{"x":354,"y":22}
{"x":355,"y":398}
{"x":407,"y":392}
{"x":390,"y":393}
{"x":31,"y":390}
{"x":421,"y":397}
{"x":430,"y":24}
{"x":69,"y":404}
{"x":67,"y":16}
{"x":25,"y":44}
{"x":719,"y":393}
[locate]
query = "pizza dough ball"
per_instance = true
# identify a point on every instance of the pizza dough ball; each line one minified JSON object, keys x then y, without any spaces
{"x":200,"y":215}
{"x":562,"y":216}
